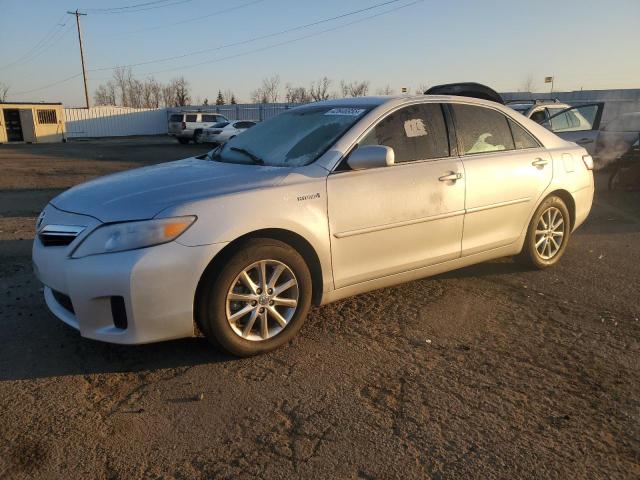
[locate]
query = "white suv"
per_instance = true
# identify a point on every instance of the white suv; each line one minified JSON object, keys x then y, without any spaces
{"x":187,"y":126}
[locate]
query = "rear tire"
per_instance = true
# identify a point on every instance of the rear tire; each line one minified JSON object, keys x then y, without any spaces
{"x":183,"y":141}
{"x":547,"y":235}
{"x":274,"y":311}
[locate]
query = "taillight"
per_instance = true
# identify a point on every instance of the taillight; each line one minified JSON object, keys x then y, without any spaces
{"x":183,"y":125}
{"x":588,"y":161}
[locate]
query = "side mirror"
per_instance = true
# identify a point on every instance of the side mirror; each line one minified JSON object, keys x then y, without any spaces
{"x":371,"y":156}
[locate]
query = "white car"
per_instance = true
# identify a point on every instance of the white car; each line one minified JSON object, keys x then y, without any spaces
{"x":322,"y":202}
{"x":223,"y":131}
{"x":188,"y":125}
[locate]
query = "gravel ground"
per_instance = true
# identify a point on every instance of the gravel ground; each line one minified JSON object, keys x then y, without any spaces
{"x":488,"y":372}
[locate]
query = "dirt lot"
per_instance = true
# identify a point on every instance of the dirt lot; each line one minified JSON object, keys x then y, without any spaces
{"x":488,"y":372}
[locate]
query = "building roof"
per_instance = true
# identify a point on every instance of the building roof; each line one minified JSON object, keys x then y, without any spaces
{"x":30,"y":103}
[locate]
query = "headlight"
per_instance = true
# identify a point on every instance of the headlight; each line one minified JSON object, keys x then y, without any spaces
{"x":118,"y":237}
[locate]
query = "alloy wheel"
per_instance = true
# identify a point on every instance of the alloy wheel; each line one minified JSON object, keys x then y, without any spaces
{"x":262,"y":300}
{"x":550,"y":232}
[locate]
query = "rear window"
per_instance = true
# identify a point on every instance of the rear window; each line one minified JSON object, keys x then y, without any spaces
{"x":175,"y":118}
{"x":211,"y":118}
{"x":191,"y":118}
{"x":482,"y":130}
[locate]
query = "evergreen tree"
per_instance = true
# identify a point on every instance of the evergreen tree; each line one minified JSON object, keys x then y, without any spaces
{"x":233,"y":99}
{"x":220,"y":99}
{"x":206,"y":101}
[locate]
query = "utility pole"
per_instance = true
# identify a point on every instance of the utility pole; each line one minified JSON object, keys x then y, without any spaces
{"x":84,"y":70}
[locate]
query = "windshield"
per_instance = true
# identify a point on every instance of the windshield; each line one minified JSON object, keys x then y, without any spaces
{"x":292,"y":139}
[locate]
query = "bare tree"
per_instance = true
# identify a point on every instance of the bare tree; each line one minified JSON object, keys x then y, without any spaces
{"x":152,"y":93}
{"x":259,"y":96}
{"x":181,"y":89}
{"x":386,"y":90}
{"x":105,"y":94}
{"x":296,"y":94}
{"x":319,"y":90}
{"x":354,"y":89}
{"x":135,"y":93}
{"x":527,"y":85}
{"x":168,"y":96}
{"x":122,"y":79}
{"x":271,"y":88}
{"x":4,"y":92}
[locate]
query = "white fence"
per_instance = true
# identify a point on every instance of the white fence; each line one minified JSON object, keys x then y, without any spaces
{"x":114,"y":121}
{"x":123,"y":121}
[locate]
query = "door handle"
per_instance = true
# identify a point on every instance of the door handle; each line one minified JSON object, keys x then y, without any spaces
{"x":452,"y":177}
{"x":584,"y":141}
{"x":539,"y":162}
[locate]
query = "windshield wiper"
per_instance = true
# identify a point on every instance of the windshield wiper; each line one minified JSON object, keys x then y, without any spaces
{"x":254,"y":158}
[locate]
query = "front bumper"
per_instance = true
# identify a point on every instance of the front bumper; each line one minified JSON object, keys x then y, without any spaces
{"x":157,"y":285}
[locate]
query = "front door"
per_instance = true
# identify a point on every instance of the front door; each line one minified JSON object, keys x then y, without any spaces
{"x":13,"y":125}
{"x":506,"y":170}
{"x":578,"y":124}
{"x":393,"y":219}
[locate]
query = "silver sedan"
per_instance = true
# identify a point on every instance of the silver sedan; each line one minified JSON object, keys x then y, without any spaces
{"x":322,"y":202}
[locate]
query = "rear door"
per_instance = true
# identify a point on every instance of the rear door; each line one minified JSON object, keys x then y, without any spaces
{"x":506,"y":171}
{"x":578,"y":124}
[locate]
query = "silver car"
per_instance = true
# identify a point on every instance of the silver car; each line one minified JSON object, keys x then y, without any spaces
{"x":322,"y":202}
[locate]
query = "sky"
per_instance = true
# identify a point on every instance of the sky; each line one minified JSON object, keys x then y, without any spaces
{"x":584,"y":44}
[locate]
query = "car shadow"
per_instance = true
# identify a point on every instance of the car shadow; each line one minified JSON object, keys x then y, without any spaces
{"x":503,"y":266}
{"x":35,"y":344}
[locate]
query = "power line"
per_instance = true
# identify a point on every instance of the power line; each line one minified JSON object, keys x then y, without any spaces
{"x":268,"y":47}
{"x":287,"y":42}
{"x":188,"y":20}
{"x":133,"y":9}
{"x":50,"y":33}
{"x":54,"y":41}
{"x":96,"y":10}
{"x":254,"y":39}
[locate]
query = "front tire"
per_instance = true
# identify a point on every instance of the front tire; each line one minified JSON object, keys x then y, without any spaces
{"x":548,"y":234}
{"x":259,"y":299}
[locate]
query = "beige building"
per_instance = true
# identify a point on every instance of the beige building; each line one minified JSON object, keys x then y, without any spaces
{"x":31,"y":122}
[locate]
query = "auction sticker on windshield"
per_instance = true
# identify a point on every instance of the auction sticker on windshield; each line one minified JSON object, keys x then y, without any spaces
{"x":349,"y":112}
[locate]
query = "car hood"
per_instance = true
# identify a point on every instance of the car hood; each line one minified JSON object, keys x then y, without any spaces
{"x":144,"y":192}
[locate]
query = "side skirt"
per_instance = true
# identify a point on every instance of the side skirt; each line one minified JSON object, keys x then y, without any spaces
{"x":422,"y":272}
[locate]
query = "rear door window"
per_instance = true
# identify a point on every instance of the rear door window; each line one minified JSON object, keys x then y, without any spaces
{"x":481,"y":130}
{"x":417,"y":132}
{"x":521,"y":137}
{"x":175,"y":118}
{"x":211,"y":118}
{"x":191,"y":118}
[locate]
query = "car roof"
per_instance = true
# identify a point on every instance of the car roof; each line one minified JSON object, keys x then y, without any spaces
{"x":376,"y":101}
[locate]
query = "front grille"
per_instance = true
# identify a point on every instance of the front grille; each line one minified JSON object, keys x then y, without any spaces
{"x":63,"y":300}
{"x":59,"y":235}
